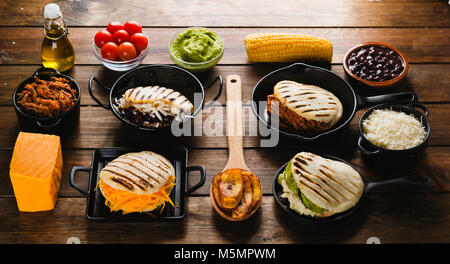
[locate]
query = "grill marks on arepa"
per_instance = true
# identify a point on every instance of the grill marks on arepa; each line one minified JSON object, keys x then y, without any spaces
{"x":309,"y":102}
{"x":152,"y":94}
{"x":140,"y":172}
{"x":317,"y":177}
{"x":303,"y":98}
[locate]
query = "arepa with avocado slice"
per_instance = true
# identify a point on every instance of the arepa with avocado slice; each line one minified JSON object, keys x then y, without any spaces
{"x":324,"y":187}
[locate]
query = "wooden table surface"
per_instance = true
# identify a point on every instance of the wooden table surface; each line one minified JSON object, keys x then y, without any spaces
{"x":420,"y":28}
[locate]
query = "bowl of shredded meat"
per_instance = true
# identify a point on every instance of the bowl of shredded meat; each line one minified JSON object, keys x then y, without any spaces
{"x":47,"y":101}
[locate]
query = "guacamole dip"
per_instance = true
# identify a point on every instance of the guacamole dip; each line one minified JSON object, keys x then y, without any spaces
{"x":196,"y":45}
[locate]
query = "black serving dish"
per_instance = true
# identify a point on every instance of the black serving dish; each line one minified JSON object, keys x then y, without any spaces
{"x":408,"y":184}
{"x":325,"y":79}
{"x":397,"y":158}
{"x":96,"y":210}
{"x":168,"y":76}
{"x":64,"y":122}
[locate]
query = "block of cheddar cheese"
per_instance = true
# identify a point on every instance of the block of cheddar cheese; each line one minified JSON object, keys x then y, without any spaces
{"x":35,"y":171}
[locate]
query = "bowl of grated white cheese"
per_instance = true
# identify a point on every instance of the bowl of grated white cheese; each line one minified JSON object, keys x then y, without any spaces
{"x":394,"y":133}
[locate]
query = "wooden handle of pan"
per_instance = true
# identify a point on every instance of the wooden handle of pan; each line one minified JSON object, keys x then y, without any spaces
{"x":234,"y":123}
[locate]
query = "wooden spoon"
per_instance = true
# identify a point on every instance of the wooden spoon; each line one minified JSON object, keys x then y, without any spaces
{"x":235,"y":145}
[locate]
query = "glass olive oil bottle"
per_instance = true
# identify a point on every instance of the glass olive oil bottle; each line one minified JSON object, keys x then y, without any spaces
{"x":56,"y":50}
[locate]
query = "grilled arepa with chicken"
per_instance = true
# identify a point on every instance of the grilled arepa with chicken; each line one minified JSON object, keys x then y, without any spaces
{"x":154,"y":106}
{"x":137,"y":182}
{"x":304,"y":107}
{"x":320,"y":187}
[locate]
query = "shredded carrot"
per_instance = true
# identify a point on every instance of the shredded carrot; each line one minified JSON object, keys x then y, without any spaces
{"x":127,"y":202}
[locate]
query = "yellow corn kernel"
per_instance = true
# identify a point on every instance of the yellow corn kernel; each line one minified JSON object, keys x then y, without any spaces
{"x":267,"y":47}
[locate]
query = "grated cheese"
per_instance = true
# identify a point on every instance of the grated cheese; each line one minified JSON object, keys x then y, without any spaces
{"x":393,"y":130}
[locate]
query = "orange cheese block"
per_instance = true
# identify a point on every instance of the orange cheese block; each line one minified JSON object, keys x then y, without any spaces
{"x":35,"y":171}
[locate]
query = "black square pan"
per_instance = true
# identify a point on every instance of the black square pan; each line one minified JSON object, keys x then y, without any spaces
{"x":96,"y":210}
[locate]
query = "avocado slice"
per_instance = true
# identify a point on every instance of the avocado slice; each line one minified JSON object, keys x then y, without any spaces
{"x":287,"y":177}
{"x":311,"y":205}
{"x":289,"y":180}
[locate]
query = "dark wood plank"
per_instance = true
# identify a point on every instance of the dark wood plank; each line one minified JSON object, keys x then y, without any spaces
{"x":98,"y":128}
{"x":22,"y":45}
{"x":412,"y":218}
{"x":236,"y":13}
{"x":428,"y":81}
{"x":435,"y":164}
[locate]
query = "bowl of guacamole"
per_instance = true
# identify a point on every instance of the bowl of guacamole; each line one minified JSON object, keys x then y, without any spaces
{"x":196,"y":49}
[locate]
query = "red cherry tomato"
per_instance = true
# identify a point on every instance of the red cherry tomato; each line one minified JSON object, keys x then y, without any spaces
{"x":127,"y":51}
{"x":132,"y":27}
{"x":110,"y":51}
{"x":102,"y":37}
{"x":120,"y":36}
{"x":139,"y":40}
{"x":114,"y":26}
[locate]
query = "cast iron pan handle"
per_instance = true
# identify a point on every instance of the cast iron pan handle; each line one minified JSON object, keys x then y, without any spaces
{"x":404,"y":97}
{"x":299,"y":65}
{"x":202,"y":178}
{"x":366,"y":151}
{"x":92,"y":95}
{"x":409,"y":183}
{"x":49,"y":126}
{"x":73,"y":172}
{"x":43,"y":69}
{"x":421,"y":106}
{"x":218,"y":78}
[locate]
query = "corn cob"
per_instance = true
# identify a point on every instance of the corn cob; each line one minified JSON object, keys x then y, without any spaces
{"x":266,"y":47}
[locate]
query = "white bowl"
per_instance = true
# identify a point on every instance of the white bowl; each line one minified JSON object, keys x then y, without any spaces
{"x":120,"y":65}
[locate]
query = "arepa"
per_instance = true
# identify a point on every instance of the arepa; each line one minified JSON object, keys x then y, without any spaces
{"x":305,"y":107}
{"x":159,"y":95}
{"x":137,"y":182}
{"x":331,"y":185}
{"x":320,"y":187}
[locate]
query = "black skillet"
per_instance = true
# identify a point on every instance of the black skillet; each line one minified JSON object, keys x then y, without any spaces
{"x":61,"y":123}
{"x":394,"y":158}
{"x":161,"y":75}
{"x":96,"y":210}
{"x":325,"y":79}
{"x":409,"y":183}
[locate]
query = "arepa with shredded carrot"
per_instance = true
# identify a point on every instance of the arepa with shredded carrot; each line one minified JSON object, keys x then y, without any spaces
{"x":137,"y":182}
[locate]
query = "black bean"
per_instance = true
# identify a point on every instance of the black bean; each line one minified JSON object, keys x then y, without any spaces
{"x":375,"y":63}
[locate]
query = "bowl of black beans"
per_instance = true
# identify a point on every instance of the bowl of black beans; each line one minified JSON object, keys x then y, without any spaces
{"x":376,"y":64}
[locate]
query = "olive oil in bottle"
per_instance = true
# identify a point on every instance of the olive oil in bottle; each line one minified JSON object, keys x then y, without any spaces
{"x":56,"y":50}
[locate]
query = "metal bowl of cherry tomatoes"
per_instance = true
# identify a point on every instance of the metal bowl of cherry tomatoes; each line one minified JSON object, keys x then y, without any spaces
{"x":121,"y":47}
